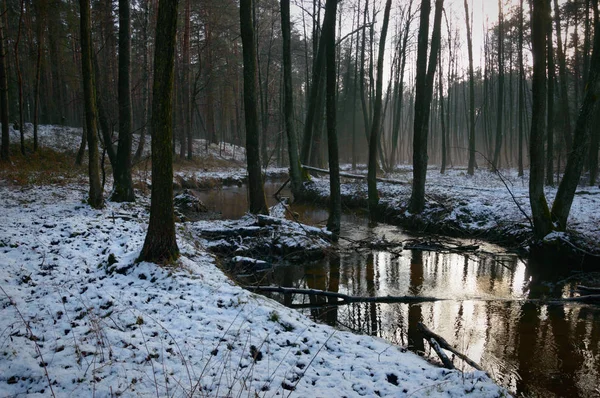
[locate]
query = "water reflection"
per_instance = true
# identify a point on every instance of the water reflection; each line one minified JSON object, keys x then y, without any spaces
{"x":532,"y":349}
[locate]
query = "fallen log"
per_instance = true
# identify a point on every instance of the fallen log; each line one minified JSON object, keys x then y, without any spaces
{"x":347,"y":299}
{"x":427,"y":333}
{"x":343,"y":298}
{"x":355,"y":176}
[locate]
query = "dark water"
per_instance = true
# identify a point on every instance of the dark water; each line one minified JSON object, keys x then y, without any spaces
{"x":533,"y":349}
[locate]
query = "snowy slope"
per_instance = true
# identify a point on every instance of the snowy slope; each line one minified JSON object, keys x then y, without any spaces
{"x":76,"y":311}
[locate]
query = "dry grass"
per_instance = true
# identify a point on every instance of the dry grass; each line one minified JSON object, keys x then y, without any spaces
{"x":43,"y":167}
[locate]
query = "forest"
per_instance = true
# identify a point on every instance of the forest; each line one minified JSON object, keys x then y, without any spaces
{"x":462,"y":135}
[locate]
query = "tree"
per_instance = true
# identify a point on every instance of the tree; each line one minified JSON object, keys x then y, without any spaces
{"x":95,"y":199}
{"x":542,"y":224}
{"x":160,"y":244}
{"x":40,"y":36}
{"x":581,"y":139}
{"x":423,"y":94}
{"x":471,"y":167}
{"x":20,"y":77}
{"x":550,"y":123}
{"x":257,"y":199}
{"x":373,"y":196}
{"x":335,"y":200}
{"x":5,"y":149}
{"x":288,"y":91}
{"x":499,"y":114}
{"x":123,"y":189}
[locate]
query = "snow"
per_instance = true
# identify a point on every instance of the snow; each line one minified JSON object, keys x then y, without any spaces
{"x":481,"y":205}
{"x":77,"y":310}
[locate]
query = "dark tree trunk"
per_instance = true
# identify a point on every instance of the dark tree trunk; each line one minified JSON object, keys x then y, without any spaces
{"x":95,"y":194}
{"x":471,"y":166}
{"x":20,"y":77}
{"x":313,"y":100}
{"x":542,"y":224}
{"x":295,"y":174}
{"x":442,"y":117}
{"x":257,"y":199}
{"x":581,"y":139}
{"x":400,"y":89}
{"x":594,"y":147}
{"x":520,"y":90}
{"x":40,"y":34}
{"x":500,"y":104}
{"x":562,"y":74}
{"x":423,"y":94}
{"x":145,"y":82}
{"x":335,"y":199}
{"x":5,"y":150}
{"x":123,"y":189}
{"x":550,"y":123}
{"x":160,"y":244}
{"x":373,"y":196}
{"x":187,"y":100}
{"x":82,"y":145}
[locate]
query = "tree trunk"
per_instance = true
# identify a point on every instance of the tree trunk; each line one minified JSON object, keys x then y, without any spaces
{"x":20,"y":77}
{"x":95,"y":194}
{"x":295,"y":174}
{"x":520,"y":92}
{"x":550,"y":123}
{"x":257,"y":200}
{"x":187,"y":83}
{"x":5,"y":149}
{"x":40,"y":34}
{"x":423,"y":94}
{"x":500,"y":104}
{"x":594,"y":147}
{"x":123,"y":185}
{"x":335,"y":198}
{"x":471,"y":166}
{"x":581,"y":140}
{"x":562,"y":73}
{"x":160,"y":244}
{"x":542,"y":225}
{"x":442,"y":116}
{"x":145,"y":82}
{"x":315,"y":90}
{"x":373,"y":196}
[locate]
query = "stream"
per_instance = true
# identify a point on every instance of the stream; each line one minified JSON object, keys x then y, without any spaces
{"x":532,"y":349}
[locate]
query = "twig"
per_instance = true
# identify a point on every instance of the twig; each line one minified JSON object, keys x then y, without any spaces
{"x":32,"y":338}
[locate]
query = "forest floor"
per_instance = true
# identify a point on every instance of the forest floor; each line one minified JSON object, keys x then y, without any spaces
{"x":79,"y":316}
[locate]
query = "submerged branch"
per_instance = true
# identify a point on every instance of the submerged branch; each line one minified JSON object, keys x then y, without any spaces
{"x":347,"y":299}
{"x":428,"y":334}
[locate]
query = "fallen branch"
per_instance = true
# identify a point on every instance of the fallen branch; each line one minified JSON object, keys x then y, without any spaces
{"x":438,"y":350}
{"x":355,"y":176}
{"x":587,"y":290}
{"x":427,"y":333}
{"x":347,"y":299}
{"x":343,"y":298}
{"x":275,"y":195}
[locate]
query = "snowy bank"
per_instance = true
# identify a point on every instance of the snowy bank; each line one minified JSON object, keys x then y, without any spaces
{"x":486,"y":205}
{"x":77,"y":319}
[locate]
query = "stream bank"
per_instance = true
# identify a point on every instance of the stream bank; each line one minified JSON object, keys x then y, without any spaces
{"x":495,"y":307}
{"x":492,"y":214}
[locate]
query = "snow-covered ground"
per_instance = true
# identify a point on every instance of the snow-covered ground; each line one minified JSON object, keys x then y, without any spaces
{"x":483,"y":205}
{"x":79,"y":318}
